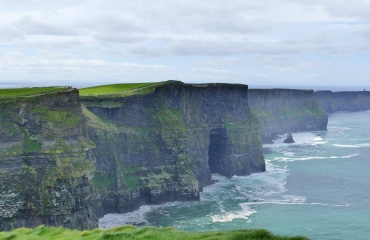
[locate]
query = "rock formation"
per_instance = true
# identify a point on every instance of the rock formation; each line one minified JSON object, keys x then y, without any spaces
{"x":286,"y":110}
{"x":289,"y":138}
{"x":46,"y":163}
{"x":164,"y":145}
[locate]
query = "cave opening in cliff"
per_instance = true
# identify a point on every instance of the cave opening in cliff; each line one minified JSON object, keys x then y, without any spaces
{"x":218,"y":151}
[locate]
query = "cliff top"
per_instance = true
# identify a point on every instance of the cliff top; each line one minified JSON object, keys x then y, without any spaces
{"x":29,"y":91}
{"x":130,"y":89}
{"x":123,"y":89}
{"x":276,"y":90}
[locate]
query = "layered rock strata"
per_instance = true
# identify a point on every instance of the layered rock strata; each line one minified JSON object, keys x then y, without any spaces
{"x":46,"y":164}
{"x":164,"y":145}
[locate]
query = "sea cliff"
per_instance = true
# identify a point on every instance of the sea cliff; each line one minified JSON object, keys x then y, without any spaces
{"x":67,"y":159}
{"x":343,"y":101}
{"x":282,"y":111}
{"x":46,"y":163}
{"x":163,"y":145}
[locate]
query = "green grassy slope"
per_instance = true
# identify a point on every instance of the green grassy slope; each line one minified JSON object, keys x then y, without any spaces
{"x":138,"y":233}
{"x":16,"y":92}
{"x":124,"y":89}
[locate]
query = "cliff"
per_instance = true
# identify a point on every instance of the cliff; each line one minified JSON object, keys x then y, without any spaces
{"x":45,"y":162}
{"x":343,"y":101}
{"x":281,"y":111}
{"x":163,"y":145}
{"x":62,"y":163}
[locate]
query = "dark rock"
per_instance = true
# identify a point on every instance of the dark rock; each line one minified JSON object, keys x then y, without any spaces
{"x":289,"y":138}
{"x":46,"y":163}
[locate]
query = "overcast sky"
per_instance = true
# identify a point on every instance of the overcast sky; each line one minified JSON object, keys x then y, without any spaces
{"x":270,"y":42}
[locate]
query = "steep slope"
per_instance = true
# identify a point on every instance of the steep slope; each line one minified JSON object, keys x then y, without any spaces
{"x":286,"y":110}
{"x":163,"y":145}
{"x":343,"y":101}
{"x":45,"y":162}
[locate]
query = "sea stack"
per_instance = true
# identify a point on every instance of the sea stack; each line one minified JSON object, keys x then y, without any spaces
{"x":289,"y":138}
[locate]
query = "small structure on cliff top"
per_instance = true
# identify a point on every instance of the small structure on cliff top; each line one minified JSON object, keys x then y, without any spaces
{"x":289,"y":138}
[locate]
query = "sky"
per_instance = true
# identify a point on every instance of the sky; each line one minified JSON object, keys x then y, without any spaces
{"x":270,"y":42}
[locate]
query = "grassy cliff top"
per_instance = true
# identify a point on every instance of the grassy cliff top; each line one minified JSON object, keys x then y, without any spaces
{"x":123,"y":89}
{"x":20,"y":92}
{"x":138,"y":233}
{"x":129,"y":89}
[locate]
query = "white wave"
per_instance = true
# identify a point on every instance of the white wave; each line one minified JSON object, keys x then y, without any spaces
{"x":290,"y":200}
{"x":318,"y":138}
{"x":262,"y":185}
{"x":221,"y":207}
{"x":244,"y":213}
{"x":352,"y":145}
{"x":286,"y":199}
{"x":289,"y":154}
{"x":319,"y":142}
{"x":298,"y":202}
{"x":340,"y":130}
{"x":285,"y":159}
{"x":346,"y":146}
{"x":342,"y":205}
{"x":348,"y":156}
{"x":114,"y":220}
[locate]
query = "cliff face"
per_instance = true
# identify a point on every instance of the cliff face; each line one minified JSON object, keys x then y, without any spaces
{"x":343,"y":101}
{"x":286,"y":110}
{"x":163,"y":146}
{"x":45,"y":162}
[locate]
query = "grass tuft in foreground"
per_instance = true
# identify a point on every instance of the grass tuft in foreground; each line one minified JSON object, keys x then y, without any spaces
{"x":137,"y":233}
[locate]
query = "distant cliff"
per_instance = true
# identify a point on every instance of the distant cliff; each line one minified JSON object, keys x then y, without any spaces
{"x":286,"y":110}
{"x":343,"y":101}
{"x":164,"y":145}
{"x":46,"y":164}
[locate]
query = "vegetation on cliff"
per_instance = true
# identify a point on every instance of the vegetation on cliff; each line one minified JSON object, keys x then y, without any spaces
{"x":138,"y":233}
{"x":120,"y":90}
{"x":16,"y":92}
{"x":152,"y":148}
{"x":45,"y":161}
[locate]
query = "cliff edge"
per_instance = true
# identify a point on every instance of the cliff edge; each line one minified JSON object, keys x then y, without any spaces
{"x":163,"y":145}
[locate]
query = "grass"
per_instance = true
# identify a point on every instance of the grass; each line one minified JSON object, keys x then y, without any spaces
{"x":116,"y":89}
{"x":138,"y":233}
{"x":16,"y":92}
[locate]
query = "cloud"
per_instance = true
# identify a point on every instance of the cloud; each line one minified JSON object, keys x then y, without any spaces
{"x":9,"y":34}
{"x":191,"y":39}
{"x":30,"y":26}
{"x":68,"y":69}
{"x":354,"y":10}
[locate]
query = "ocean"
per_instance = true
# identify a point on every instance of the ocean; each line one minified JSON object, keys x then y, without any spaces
{"x":318,"y":187}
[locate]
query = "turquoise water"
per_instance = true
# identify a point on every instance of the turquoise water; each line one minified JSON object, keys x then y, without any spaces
{"x":317,"y":187}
